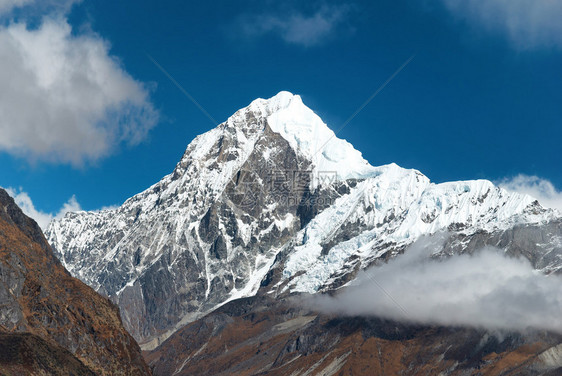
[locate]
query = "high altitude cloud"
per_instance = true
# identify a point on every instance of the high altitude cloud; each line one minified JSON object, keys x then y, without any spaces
{"x":528,"y":24}
{"x":296,"y":27}
{"x":64,"y":98}
{"x":484,"y":290}
{"x":541,"y":189}
{"x":43,"y":219}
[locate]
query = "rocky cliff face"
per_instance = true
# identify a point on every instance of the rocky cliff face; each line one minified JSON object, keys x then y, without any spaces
{"x":63,"y":317}
{"x":271,"y":202}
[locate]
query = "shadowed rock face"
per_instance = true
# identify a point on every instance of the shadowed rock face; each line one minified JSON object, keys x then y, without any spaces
{"x":38,"y":296}
{"x":541,"y":244}
{"x":211,"y":260}
{"x":262,"y":336}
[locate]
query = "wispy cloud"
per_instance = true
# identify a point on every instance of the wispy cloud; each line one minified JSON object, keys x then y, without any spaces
{"x":37,"y":7}
{"x":528,"y":24}
{"x":43,"y":219}
{"x":483,"y":290}
{"x":541,"y":189}
{"x":297,"y":27}
{"x":7,"y":5}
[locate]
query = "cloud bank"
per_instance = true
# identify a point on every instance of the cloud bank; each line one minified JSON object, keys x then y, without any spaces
{"x":43,"y":219}
{"x":485,"y":290}
{"x":64,"y":98}
{"x":541,"y":189}
{"x":527,"y":24}
{"x":296,"y":27}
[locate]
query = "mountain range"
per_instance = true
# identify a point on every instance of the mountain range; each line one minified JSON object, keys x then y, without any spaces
{"x":211,"y":261}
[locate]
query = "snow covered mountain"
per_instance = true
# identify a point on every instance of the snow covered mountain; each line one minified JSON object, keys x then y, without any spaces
{"x":271,"y":201}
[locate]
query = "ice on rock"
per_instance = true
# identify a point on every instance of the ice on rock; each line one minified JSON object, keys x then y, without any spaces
{"x":310,"y":136}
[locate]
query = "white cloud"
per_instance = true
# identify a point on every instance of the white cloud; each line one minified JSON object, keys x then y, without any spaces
{"x":296,"y":27}
{"x":527,"y":24}
{"x":541,"y":189}
{"x":64,"y":98}
{"x":43,"y":219}
{"x":485,"y":290}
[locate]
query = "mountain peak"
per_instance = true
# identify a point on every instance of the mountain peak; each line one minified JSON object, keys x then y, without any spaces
{"x":279,"y":101}
{"x":309,"y":136}
{"x":232,"y":220}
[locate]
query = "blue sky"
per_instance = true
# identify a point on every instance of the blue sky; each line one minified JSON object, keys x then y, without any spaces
{"x":87,"y":114}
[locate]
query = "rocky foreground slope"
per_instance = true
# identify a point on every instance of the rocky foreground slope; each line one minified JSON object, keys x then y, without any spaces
{"x":272,"y":202}
{"x":50,"y":322}
{"x":30,"y":355}
{"x":266,"y":336}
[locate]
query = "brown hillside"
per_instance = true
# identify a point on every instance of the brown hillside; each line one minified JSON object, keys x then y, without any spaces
{"x":38,"y":296}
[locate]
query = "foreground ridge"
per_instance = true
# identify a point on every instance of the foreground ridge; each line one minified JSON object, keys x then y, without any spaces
{"x":51,"y":322}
